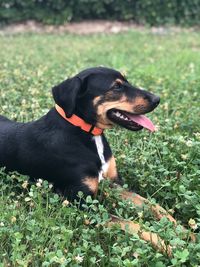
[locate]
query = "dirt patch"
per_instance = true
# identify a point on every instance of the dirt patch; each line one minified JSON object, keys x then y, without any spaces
{"x":86,"y":27}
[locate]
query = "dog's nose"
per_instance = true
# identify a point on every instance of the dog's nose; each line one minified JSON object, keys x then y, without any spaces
{"x":155,"y":100}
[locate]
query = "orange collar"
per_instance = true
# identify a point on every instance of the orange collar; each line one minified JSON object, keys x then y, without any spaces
{"x":77,"y":121}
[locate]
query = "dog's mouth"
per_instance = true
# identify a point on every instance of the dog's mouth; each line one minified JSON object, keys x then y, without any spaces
{"x":129,"y":120}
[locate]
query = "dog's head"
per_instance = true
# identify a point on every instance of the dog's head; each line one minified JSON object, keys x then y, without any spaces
{"x":103,"y":97}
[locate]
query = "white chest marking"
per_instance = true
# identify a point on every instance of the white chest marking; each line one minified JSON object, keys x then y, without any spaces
{"x":100,"y":150}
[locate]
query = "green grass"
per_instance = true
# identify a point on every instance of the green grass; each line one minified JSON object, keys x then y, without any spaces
{"x":36,"y":228}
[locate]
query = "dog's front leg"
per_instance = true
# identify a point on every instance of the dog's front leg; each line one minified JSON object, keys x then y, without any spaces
{"x":132,"y":227}
{"x":157,"y":210}
{"x":138,"y":200}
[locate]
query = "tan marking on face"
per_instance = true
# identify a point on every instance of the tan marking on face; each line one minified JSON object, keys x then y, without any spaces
{"x":91,"y":183}
{"x":119,"y":81}
{"x":112,"y":169}
{"x":139,"y":101}
{"x":96,"y":100}
{"x":137,"y":105}
{"x":102,"y":120}
{"x":123,"y":73}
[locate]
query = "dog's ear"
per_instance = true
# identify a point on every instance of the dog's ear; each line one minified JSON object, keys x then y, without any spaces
{"x":65,"y":94}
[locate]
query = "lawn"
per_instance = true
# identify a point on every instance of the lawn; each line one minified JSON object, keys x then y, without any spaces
{"x":38,"y":227}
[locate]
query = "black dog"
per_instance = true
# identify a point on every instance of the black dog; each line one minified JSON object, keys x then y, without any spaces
{"x":67,"y":146}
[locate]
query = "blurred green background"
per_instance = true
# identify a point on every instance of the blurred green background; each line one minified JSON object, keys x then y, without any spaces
{"x":150,"y":12}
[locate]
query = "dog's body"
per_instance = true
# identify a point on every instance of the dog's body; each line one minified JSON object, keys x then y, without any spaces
{"x":55,"y":150}
{"x":69,"y":157}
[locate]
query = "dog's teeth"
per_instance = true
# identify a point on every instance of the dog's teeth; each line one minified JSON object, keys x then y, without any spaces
{"x":117,"y":114}
{"x":121,"y":116}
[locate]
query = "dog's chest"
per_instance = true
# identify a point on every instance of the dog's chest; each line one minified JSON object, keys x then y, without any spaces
{"x":100,"y":151}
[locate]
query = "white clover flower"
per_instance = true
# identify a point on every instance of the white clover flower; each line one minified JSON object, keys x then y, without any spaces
{"x":38,"y":184}
{"x":50,"y":186}
{"x":181,"y":139}
{"x":13,"y":219}
{"x":184,"y":156}
{"x":166,"y":106}
{"x":192,"y":223}
{"x":23,"y":102}
{"x":140,"y":214}
{"x":65,"y":203}
{"x":189,"y":143}
{"x":25,"y":184}
{"x":197,"y":135}
{"x":27,"y":199}
{"x":78,"y":258}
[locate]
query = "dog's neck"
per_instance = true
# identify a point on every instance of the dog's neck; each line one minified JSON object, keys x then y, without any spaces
{"x":77,"y":121}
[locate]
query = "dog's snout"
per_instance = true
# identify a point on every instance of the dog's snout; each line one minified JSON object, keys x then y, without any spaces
{"x":155,"y":100}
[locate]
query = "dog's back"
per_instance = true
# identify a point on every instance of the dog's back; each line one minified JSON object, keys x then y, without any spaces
{"x":7,"y":140}
{"x":3,"y":119}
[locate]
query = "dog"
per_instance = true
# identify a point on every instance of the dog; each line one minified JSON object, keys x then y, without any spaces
{"x":70,"y":156}
{"x":67,"y":146}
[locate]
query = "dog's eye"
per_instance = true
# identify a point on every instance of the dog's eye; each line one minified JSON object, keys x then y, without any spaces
{"x":117,"y":86}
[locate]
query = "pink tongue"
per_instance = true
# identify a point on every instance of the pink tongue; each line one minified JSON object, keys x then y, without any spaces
{"x":143,"y":121}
